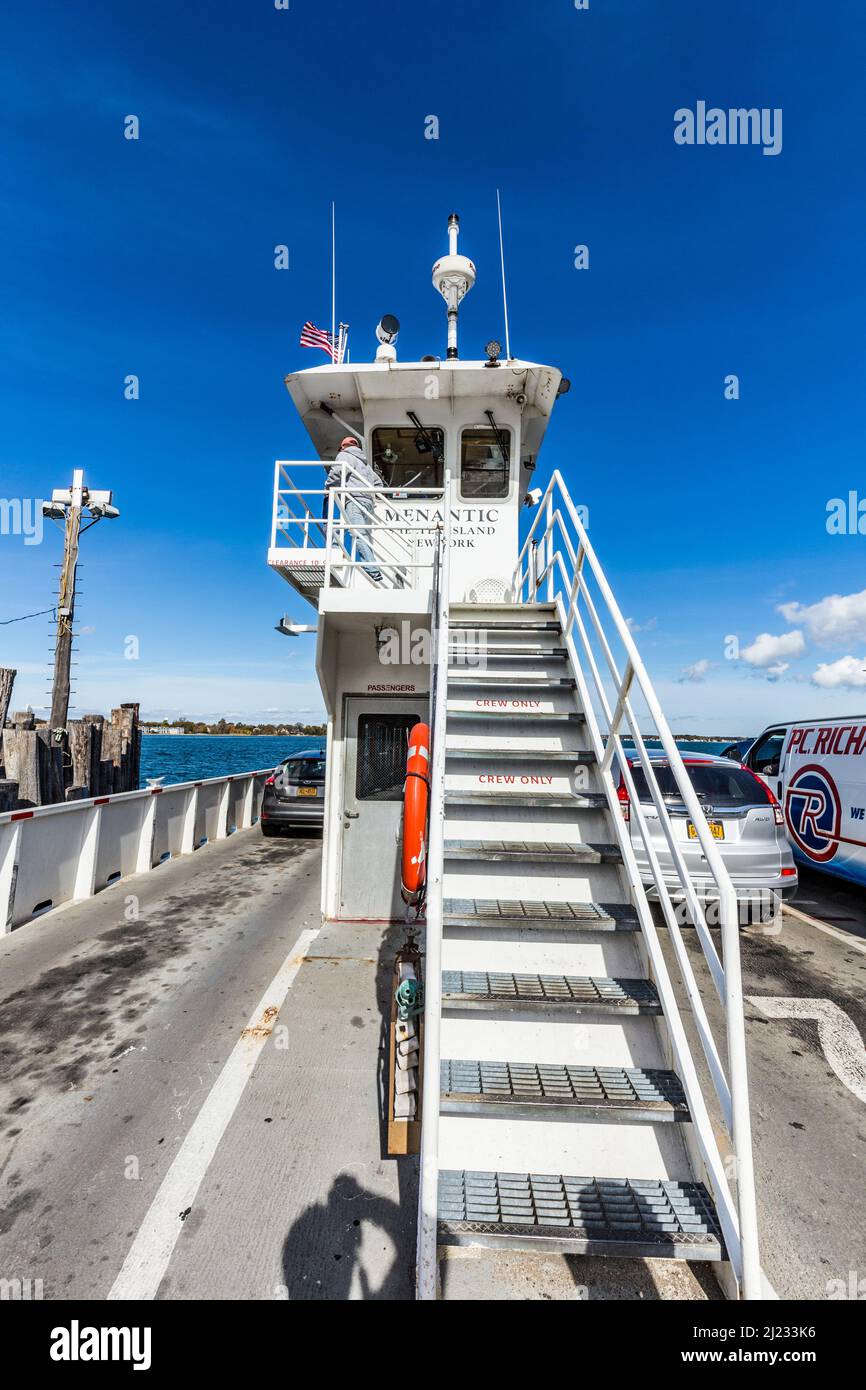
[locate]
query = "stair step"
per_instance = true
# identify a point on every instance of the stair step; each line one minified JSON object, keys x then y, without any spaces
{"x":530,"y":625}
{"x":532,"y":852}
{"x":499,"y":912}
{"x":509,"y":653}
{"x":550,"y":1212}
{"x":581,"y":801}
{"x":516,"y":715}
{"x":509,"y":610}
{"x":576,"y":756}
{"x":540,"y":1091}
{"x":458,"y":676}
{"x":479,"y":989}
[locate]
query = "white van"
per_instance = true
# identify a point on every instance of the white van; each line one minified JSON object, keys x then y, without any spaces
{"x":817,"y":769}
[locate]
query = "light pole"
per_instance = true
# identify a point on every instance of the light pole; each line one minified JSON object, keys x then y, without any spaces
{"x":70,"y":505}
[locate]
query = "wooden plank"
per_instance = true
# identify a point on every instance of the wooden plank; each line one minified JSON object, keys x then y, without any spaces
{"x":20,"y":758}
{"x":404,"y":1136}
{"x":50,"y":758}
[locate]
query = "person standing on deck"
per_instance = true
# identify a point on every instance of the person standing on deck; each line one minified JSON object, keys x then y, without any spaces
{"x":355,"y":502}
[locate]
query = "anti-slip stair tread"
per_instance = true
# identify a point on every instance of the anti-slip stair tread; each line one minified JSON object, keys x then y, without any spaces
{"x":470,"y":1086}
{"x":509,"y":649}
{"x":501,"y":851}
{"x":580,"y":801}
{"x":497,"y":712}
{"x":493,"y":680}
{"x":586,"y":1215}
{"x":496,"y":989}
{"x":582,"y":757}
{"x":507,"y":609}
{"x":530,"y":625}
{"x":515,"y":912}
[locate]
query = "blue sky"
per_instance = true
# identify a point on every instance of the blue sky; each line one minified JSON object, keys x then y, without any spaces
{"x":155,"y":257}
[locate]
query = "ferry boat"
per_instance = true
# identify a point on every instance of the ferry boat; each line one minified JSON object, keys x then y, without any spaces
{"x":560,"y":1103}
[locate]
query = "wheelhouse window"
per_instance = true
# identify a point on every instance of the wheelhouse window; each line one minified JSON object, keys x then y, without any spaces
{"x":410,"y":457}
{"x":485,"y":464}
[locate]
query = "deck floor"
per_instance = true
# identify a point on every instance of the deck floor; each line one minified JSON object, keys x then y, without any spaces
{"x":115,"y":1029}
{"x":112,"y":1036}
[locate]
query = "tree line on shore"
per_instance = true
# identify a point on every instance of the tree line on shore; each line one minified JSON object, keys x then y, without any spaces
{"x":224,"y":726}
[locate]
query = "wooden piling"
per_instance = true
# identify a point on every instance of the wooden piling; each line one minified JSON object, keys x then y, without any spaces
{"x":7,"y":680}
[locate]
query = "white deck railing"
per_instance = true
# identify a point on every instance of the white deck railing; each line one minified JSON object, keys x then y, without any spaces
{"x":313,"y":520}
{"x":60,"y":854}
{"x":557,"y":563}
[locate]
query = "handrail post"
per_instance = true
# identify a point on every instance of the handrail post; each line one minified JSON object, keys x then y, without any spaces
{"x":744,"y":1172}
{"x":329,"y":537}
{"x":548,"y":558}
{"x":616,"y":717}
{"x":277,"y":472}
{"x":428,"y":1191}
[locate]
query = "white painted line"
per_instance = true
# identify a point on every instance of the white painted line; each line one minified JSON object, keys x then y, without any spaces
{"x":148,"y":1258}
{"x":854,"y":942}
{"x":837,"y":1034}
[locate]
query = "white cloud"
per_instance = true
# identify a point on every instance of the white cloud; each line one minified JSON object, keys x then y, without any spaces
{"x":634,"y":626}
{"x":776,"y":670}
{"x":834,"y":620}
{"x":849,"y":673}
{"x":768,"y":651}
{"x":697,"y":671}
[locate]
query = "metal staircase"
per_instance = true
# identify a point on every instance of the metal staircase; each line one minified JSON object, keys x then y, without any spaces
{"x":570,"y":1117}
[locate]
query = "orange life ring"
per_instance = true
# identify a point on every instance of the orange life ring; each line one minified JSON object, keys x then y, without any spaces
{"x":415,"y":793}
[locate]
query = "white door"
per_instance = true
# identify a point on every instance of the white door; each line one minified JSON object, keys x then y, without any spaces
{"x":377,"y":740}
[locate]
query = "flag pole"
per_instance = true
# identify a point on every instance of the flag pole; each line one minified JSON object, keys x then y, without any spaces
{"x":333,"y":275}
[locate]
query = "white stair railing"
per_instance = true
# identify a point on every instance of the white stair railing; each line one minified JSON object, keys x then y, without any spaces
{"x":428,"y":1190}
{"x":557,"y":563}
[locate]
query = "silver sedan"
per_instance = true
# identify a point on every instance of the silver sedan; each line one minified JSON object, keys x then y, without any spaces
{"x":744,"y":817}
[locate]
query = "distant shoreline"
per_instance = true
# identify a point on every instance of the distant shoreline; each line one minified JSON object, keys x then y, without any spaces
{"x":236,"y":734}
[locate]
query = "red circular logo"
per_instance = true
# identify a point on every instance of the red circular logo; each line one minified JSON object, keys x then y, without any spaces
{"x":813,"y":812}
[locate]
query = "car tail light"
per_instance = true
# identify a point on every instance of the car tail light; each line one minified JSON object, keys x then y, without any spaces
{"x":624,"y":800}
{"x":269,"y":781}
{"x":778,"y":813}
{"x":789,"y":873}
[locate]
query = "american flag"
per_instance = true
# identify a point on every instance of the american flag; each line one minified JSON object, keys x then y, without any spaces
{"x":314,"y":337}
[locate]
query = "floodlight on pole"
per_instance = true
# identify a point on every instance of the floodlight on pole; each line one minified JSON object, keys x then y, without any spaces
{"x":71,"y":505}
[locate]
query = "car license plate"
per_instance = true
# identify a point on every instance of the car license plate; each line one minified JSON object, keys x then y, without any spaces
{"x":717,"y":830}
{"x":307,"y":791}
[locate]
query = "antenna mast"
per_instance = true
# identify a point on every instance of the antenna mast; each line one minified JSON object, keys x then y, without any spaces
{"x":333,"y":278}
{"x":504,"y":296}
{"x":453,"y":277}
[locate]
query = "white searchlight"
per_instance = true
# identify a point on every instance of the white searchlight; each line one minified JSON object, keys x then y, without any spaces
{"x":386,"y":331}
